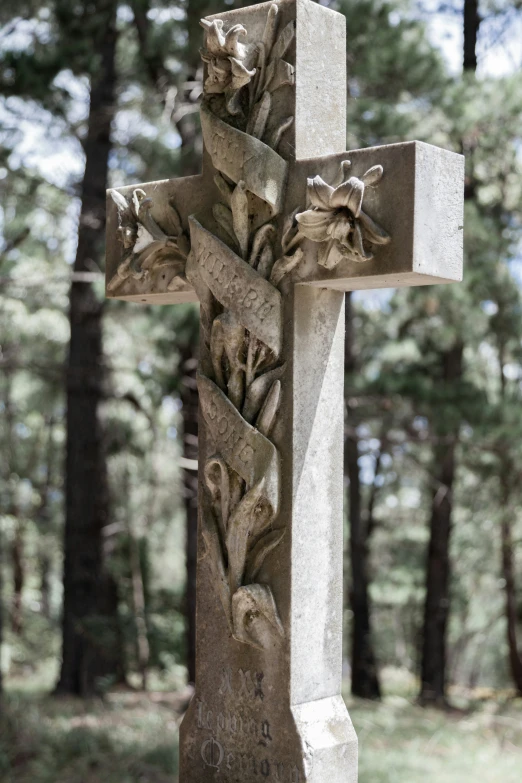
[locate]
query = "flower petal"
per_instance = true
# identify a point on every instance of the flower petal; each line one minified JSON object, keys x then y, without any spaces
{"x":328,"y":255}
{"x":340,"y":228}
{"x":358,"y":245}
{"x":372,"y":231}
{"x":232,"y":44}
{"x":319,"y":192}
{"x":373,"y":175}
{"x":240,"y":75}
{"x":349,"y":194}
{"x":313,"y":224}
{"x":344,"y":167}
{"x":144,"y":239}
{"x":232,"y":102}
{"x":215,"y":38}
{"x":213,"y":85}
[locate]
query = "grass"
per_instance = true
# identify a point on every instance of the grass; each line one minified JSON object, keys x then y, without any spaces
{"x":403,"y":743}
{"x":128,"y":738}
{"x":132,"y":738}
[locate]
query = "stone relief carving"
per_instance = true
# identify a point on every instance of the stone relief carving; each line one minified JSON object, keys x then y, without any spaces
{"x":227,"y":62}
{"x":260,"y":68}
{"x":234,"y":268}
{"x":236,"y":272}
{"x":336,"y":220}
{"x":146,"y":247}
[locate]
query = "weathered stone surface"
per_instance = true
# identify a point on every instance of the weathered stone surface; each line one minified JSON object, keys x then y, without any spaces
{"x":278,"y":225}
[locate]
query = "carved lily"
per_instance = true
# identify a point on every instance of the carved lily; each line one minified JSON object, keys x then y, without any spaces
{"x":145,"y":246}
{"x":336,"y":219}
{"x":227,"y":62}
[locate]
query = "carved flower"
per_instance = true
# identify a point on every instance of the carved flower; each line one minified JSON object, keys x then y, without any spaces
{"x":336,"y":219}
{"x":145,"y":246}
{"x":226,"y":60}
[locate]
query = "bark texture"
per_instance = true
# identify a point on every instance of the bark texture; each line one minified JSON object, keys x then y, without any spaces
{"x":508,"y":572}
{"x":365,"y":679}
{"x":189,"y":398}
{"x":1,"y":608}
{"x":437,"y":601}
{"x":507,"y":471}
{"x":91,"y":642}
{"x":17,"y":562}
{"x":472,"y":21}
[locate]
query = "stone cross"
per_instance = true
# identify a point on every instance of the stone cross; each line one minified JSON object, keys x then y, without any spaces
{"x":279,"y":225}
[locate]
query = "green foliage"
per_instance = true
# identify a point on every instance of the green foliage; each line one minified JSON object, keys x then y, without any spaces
{"x":399,"y":88}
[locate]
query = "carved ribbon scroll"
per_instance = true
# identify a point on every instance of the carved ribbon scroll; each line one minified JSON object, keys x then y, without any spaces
{"x":236,"y":273}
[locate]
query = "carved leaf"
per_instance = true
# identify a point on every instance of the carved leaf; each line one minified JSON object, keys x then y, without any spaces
{"x":372,"y":232}
{"x":224,"y":188}
{"x":263,"y":235}
{"x":344,"y":170}
{"x":239,"y":205}
{"x":373,"y":175}
{"x":214,"y":556}
{"x":121,"y":274}
{"x":236,"y":387}
{"x":258,"y":391}
{"x":260,"y":551}
{"x":157,"y":255}
{"x":223,"y":216}
{"x":284,"y":39}
{"x":217,"y":350}
{"x":266,"y":262}
{"x":183,"y":244}
{"x":248,"y":519}
{"x":260,"y":116}
{"x":234,"y":335}
{"x":278,"y":73}
{"x":276,"y":135}
{"x":270,"y":28}
{"x":285,"y":265}
{"x":255,"y":617}
{"x":227,"y":336}
{"x":237,"y":486}
{"x":175,"y":218}
{"x":268,"y":412}
{"x":289,"y":229}
{"x":217,"y":478}
{"x":120,"y":201}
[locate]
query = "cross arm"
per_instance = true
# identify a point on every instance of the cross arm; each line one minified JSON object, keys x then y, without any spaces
{"x":412,"y":207}
{"x":148,"y":238}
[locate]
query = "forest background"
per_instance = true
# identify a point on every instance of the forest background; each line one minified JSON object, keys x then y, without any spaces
{"x":98,"y":427}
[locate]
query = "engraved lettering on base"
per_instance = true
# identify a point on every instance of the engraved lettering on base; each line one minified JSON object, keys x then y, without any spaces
{"x":212,"y":753}
{"x":226,"y":681}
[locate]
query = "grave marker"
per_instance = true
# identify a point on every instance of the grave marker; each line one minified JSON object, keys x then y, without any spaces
{"x":268,"y":238}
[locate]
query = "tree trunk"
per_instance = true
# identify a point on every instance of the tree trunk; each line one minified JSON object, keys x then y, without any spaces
{"x":1,"y":608}
{"x":365,"y":680}
{"x":17,"y":560}
{"x":42,"y":518}
{"x":189,"y":398}
{"x":436,"y":608}
{"x":507,"y":557}
{"x":137,"y":592}
{"x":472,"y":22}
{"x":437,"y":602}
{"x":138,"y":604}
{"x":91,"y":647}
{"x":508,"y":572}
{"x":45,"y":584}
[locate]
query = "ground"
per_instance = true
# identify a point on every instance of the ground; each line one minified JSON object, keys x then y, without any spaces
{"x":131,"y":738}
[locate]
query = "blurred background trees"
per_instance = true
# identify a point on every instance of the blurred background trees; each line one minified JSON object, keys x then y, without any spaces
{"x":98,"y":426}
